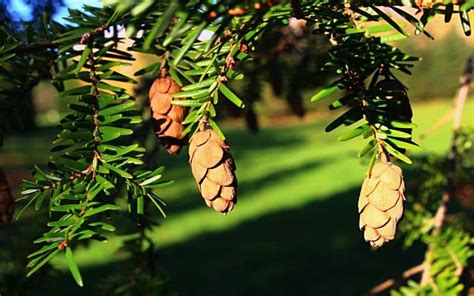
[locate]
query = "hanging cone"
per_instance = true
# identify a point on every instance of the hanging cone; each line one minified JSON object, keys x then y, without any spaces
{"x":167,"y":117}
{"x":381,"y":203}
{"x":7,"y":204}
{"x":214,"y":170}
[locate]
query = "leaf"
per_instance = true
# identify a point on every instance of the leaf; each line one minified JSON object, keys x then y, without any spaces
{"x":66,"y":208}
{"x":147,"y":69}
{"x":152,"y":198}
{"x":43,"y":250}
{"x":396,"y":133}
{"x":179,"y":28}
{"x":353,"y":133}
{"x":109,"y":133}
{"x":118,"y":171}
{"x":405,"y":144}
{"x":413,"y":20}
{"x":217,"y":129}
{"x":42,"y":262}
{"x":140,"y":205}
{"x":342,"y":101}
{"x":161,"y":24}
{"x":30,"y":191}
{"x":7,"y":57}
{"x":193,"y":35}
{"x":397,"y":153}
{"x":349,"y":117}
{"x":69,"y":163}
{"x":73,"y":34}
{"x":367,"y":148}
{"x":402,"y":124}
{"x":82,"y":60}
{"x":187,"y":103}
{"x":118,"y":108}
{"x":106,"y":86}
{"x":325,"y":92}
{"x":231,"y":74}
{"x":65,"y":221}
{"x":40,"y":199}
{"x":448,"y":12}
{"x":175,"y":76}
{"x":102,"y":225}
{"x":231,"y":96}
{"x":81,"y":109}
{"x":160,"y":184}
{"x":372,"y":162}
{"x":103,"y":208}
{"x":191,"y":93}
{"x":465,"y":22}
{"x":392,"y":38}
{"x":77,"y":91}
{"x":388,"y":19}
{"x":150,"y":180}
{"x":199,"y":85}
{"x":73,"y":267}
{"x":32,"y":199}
{"x":379,"y":29}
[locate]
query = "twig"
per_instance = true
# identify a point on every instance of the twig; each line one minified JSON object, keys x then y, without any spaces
{"x":439,"y":123}
{"x":385,"y":285}
{"x":459,"y":267}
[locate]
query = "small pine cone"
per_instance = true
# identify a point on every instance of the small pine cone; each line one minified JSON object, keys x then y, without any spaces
{"x":168,"y":117}
{"x":381,"y":203}
{"x":7,"y":204}
{"x":214,"y":170}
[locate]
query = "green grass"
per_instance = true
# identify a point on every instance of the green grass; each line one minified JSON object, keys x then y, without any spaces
{"x":294,"y":230}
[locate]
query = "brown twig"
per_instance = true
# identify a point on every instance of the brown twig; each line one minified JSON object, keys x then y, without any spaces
{"x":459,"y":267}
{"x":88,"y":36}
{"x":459,"y":101}
{"x":385,"y":285}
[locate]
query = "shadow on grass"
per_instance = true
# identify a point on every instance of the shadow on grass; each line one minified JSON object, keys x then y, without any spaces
{"x":194,"y":200}
{"x":313,"y":250}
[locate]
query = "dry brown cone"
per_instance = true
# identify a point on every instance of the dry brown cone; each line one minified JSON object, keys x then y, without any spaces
{"x":381,"y":203}
{"x":168,"y":117}
{"x":214,"y":170}
{"x":7,"y":204}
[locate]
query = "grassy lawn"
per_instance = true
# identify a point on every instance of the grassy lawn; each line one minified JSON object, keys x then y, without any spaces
{"x":293,"y":232}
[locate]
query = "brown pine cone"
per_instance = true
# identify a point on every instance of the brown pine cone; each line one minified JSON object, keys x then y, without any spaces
{"x":214,"y":170}
{"x":7,"y":204}
{"x":381,"y":203}
{"x":168,"y":117}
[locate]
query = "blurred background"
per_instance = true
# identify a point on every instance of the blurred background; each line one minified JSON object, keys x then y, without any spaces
{"x":295,"y":228}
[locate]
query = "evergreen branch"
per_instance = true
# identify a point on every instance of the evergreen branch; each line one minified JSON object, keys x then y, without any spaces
{"x":440,"y":216}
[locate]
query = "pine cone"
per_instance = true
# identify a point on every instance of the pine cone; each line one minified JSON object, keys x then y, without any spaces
{"x":381,"y":203}
{"x":214,"y":170}
{"x":7,"y":204}
{"x":168,"y":117}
